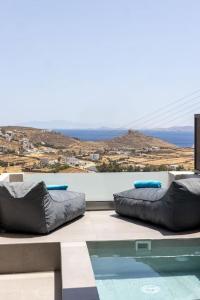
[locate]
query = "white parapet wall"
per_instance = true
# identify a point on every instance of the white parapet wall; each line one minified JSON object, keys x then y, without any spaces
{"x":4,"y":177}
{"x":12,"y":177}
{"x":98,"y":186}
{"x":176,"y":175}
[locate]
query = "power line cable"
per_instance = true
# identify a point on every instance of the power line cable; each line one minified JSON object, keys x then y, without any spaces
{"x":163,"y":116}
{"x":158,"y":111}
{"x":180,"y":115}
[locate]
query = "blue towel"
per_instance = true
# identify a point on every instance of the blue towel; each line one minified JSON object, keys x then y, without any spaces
{"x":147,"y":184}
{"x":57,"y":187}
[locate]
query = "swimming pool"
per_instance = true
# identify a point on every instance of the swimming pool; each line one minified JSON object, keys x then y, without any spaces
{"x":147,"y":270}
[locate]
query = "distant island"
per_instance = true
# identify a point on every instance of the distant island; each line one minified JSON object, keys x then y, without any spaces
{"x":27,"y":149}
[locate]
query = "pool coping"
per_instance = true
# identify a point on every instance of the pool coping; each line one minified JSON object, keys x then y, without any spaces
{"x":78,"y":279}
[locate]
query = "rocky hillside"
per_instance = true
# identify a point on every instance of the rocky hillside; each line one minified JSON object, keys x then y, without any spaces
{"x":137,"y":140}
{"x":40,"y":136}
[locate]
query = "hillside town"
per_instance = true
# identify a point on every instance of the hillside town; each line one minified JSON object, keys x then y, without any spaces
{"x":36,"y":150}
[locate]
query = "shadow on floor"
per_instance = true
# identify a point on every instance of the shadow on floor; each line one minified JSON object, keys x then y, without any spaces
{"x":22,"y":235}
{"x":57,"y":286}
{"x":162,"y":230}
{"x":84,"y":293}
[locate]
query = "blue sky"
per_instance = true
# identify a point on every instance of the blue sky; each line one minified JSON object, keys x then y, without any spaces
{"x":97,"y":63}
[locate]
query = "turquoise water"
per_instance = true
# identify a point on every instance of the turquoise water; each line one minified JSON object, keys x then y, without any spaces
{"x":169,"y":270}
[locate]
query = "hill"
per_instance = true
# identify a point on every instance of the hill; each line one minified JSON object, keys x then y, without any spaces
{"x":137,"y":140}
{"x":39,"y":136}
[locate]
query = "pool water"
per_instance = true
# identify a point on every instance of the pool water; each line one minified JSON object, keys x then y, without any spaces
{"x":147,"y":270}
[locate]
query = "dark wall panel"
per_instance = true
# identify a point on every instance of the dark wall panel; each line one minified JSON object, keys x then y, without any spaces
{"x":197,"y":143}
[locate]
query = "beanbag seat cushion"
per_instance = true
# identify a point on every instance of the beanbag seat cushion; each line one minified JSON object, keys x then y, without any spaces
{"x":30,"y":207}
{"x":176,"y":208}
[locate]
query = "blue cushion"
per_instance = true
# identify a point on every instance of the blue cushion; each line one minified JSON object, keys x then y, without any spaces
{"x":57,"y":187}
{"x":147,"y":184}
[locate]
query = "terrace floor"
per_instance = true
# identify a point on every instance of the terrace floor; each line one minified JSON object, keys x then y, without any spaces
{"x":99,"y":226}
{"x":37,"y":259}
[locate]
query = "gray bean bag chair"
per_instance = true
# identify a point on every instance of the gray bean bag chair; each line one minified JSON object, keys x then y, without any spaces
{"x":176,"y":208}
{"x":30,"y":207}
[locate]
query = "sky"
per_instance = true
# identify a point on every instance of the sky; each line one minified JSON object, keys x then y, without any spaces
{"x":99,"y":63}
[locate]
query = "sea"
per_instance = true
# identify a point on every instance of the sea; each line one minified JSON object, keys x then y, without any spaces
{"x":179,"y":138}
